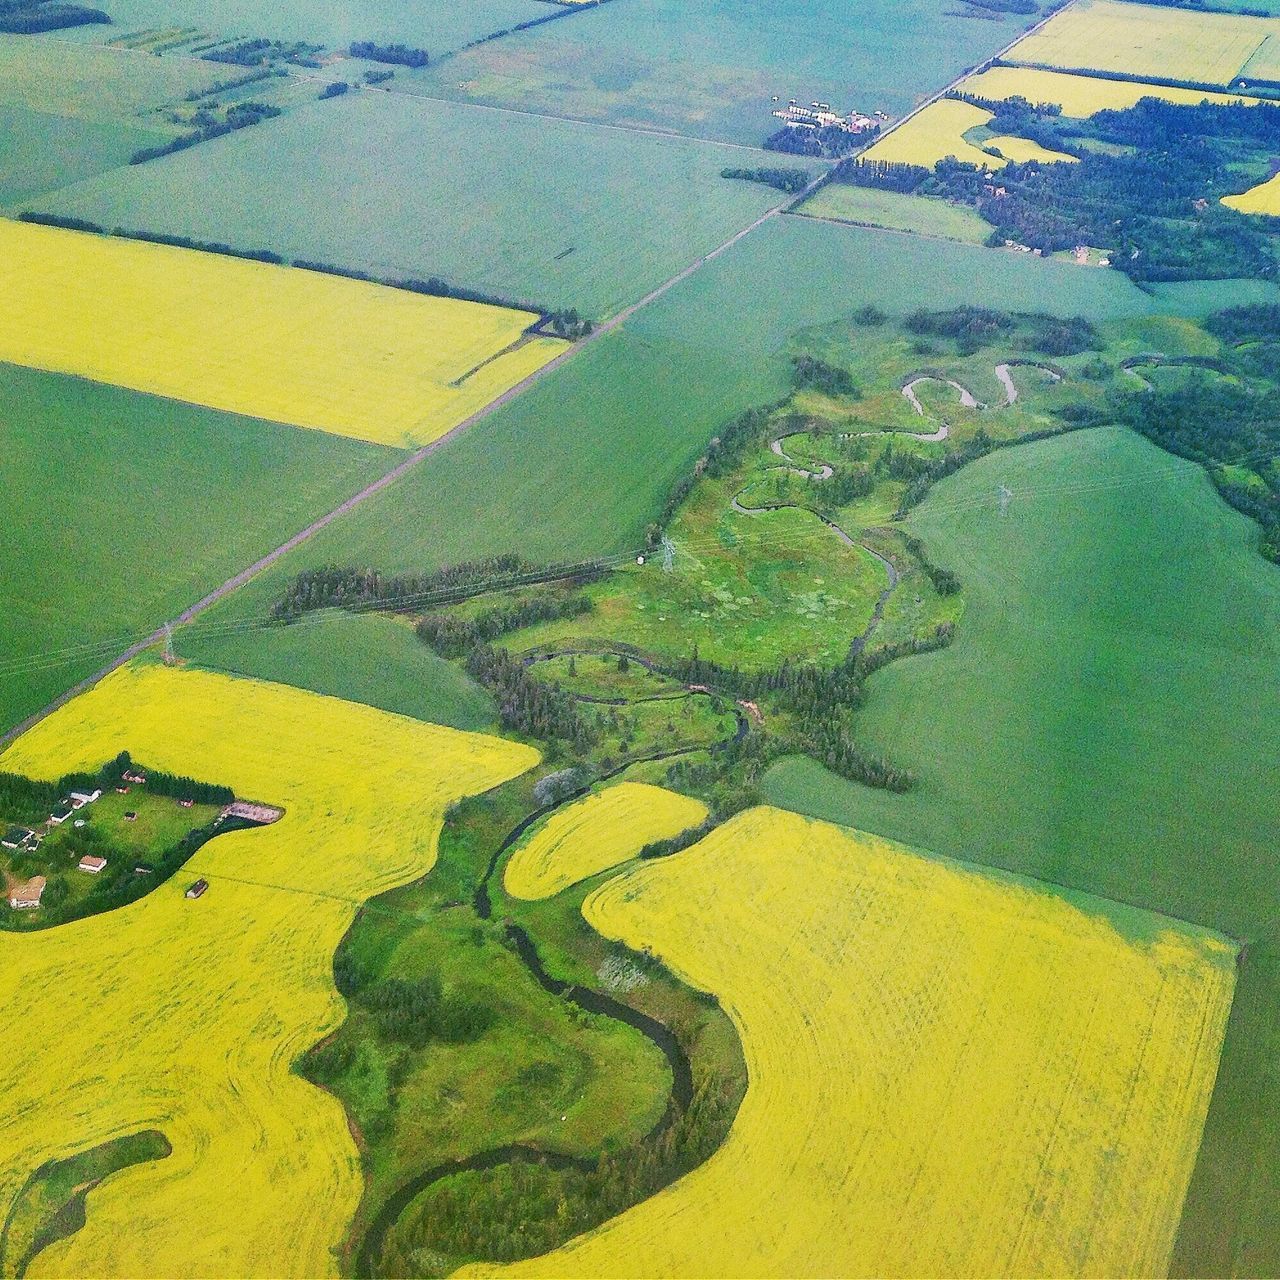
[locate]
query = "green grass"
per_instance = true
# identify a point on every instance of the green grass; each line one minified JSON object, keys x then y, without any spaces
{"x":544,"y":211}
{"x":710,"y":69}
{"x":436,"y":25}
{"x":1113,"y":676}
{"x":365,"y":658}
{"x":868,"y":206}
{"x":94,"y":83}
{"x":122,"y":509}
{"x":40,"y":152}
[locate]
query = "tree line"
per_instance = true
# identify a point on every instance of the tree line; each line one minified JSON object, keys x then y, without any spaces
{"x":792,"y":181}
{"x":238,"y":116}
{"x":397,"y":55}
{"x":31,"y":17}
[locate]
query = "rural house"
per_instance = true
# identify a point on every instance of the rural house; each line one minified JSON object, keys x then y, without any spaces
{"x":26,"y":897}
{"x":16,"y":837}
{"x":92,"y":863}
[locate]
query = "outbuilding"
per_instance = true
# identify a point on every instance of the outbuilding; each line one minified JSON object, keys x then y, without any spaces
{"x":92,"y":863}
{"x":26,"y":897}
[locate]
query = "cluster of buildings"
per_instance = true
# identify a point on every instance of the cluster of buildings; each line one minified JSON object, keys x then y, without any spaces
{"x":819,"y":115}
{"x":26,"y":895}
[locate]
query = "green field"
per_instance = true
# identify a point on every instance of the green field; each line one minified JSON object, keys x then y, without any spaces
{"x":39,"y":151}
{"x":712,"y":69}
{"x":435,"y":25}
{"x":96,"y":84}
{"x":122,"y":509}
{"x":547,"y":212}
{"x":363,"y":657}
{"x":869,"y":207}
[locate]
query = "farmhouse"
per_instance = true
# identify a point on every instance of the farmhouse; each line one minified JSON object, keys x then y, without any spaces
{"x":81,"y":798}
{"x":16,"y":837}
{"x":26,"y":897}
{"x":60,"y":814}
{"x":92,"y":864}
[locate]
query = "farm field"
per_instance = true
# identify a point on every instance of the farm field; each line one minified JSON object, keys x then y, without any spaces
{"x":596,"y":834}
{"x":263,"y":1175}
{"x":936,"y":133}
{"x":1081,"y":95}
{"x":854,"y":1153}
{"x":361,"y":657}
{"x":703,"y":68}
{"x":1116,"y":36}
{"x":436,"y":25}
{"x":91,"y":561}
{"x":96,"y":84}
{"x":868,"y":206}
{"x":496,"y":217}
{"x":377,"y":364}
{"x":40,"y":151}
{"x":1020,"y":150}
{"x":1264,"y":198}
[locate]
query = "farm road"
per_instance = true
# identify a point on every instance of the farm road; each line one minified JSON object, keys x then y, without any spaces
{"x":419,"y":455}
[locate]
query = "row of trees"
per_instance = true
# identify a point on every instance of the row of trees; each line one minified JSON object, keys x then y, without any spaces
{"x":238,"y":116}
{"x":792,"y":181}
{"x":397,"y":55}
{"x":453,"y":636}
{"x":30,"y":17}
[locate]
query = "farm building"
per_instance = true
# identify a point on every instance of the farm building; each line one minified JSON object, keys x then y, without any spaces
{"x":92,"y":863}
{"x":26,"y":897}
{"x":60,"y":815}
{"x":16,"y":837}
{"x":261,"y":813}
{"x":81,"y":798}
{"x":196,"y":888}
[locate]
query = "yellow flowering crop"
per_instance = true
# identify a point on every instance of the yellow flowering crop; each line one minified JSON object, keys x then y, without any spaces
{"x":294,"y":346}
{"x":596,"y":833}
{"x":951,"y":1072}
{"x":1019,"y":150}
{"x":186,"y":1016}
{"x":1082,"y":96}
{"x":933,"y":135}
{"x":1264,"y":198}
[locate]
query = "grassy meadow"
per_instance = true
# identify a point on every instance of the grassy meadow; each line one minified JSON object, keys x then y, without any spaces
{"x":293,"y":346}
{"x":854,"y":1153}
{"x":552,"y":213}
{"x":183,"y":1032}
{"x":871,"y":207}
{"x":122,"y":509}
{"x":703,"y":68}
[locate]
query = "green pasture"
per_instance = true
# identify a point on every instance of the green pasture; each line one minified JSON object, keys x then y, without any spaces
{"x":711,"y":69}
{"x":40,"y":152}
{"x":95,"y":83}
{"x":438,"y":26}
{"x":122,"y":509}
{"x":549,"y":212}
{"x":871,"y":207}
{"x":362,"y":657}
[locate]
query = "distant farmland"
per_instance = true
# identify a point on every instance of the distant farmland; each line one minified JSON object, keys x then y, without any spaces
{"x":184,"y":1031}
{"x":294,"y":346}
{"x":1166,"y":43}
{"x":715,"y":70}
{"x":927,"y":1096}
{"x":541,"y":211}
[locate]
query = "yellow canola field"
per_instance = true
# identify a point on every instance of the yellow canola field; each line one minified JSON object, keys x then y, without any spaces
{"x":1020,"y":150}
{"x":951,"y":1073}
{"x":1264,"y":198}
{"x":1082,"y":96}
{"x":1141,"y":40}
{"x":292,"y":346}
{"x":597,"y":832}
{"x":186,"y":1016}
{"x":933,"y":135}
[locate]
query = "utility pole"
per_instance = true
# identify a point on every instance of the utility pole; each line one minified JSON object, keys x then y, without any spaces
{"x":1005,"y":494}
{"x":168,"y":644}
{"x":668,"y":554}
